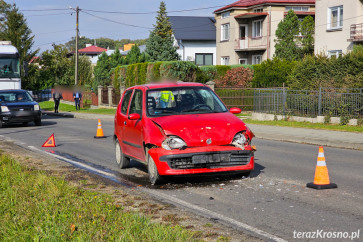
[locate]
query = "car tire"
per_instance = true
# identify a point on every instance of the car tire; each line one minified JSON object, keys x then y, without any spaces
{"x":25,"y":123}
{"x":154,"y":176}
{"x":1,"y":124}
{"x":121,"y":160}
{"x":38,"y":122}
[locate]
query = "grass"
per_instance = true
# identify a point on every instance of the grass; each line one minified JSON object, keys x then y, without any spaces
{"x":35,"y":206}
{"x":308,"y":125}
{"x":49,"y":106}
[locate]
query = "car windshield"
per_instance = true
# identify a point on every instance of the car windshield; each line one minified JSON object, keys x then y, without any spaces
{"x":11,"y":96}
{"x":9,"y":67}
{"x":183,"y":100}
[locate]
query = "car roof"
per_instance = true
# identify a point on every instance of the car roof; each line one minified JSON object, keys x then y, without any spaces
{"x":12,"y":90}
{"x":171,"y":84}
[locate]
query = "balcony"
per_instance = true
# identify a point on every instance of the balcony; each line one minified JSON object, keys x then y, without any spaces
{"x":251,"y":43}
{"x":356,"y":33}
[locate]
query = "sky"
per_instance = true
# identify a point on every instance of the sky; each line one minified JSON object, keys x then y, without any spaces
{"x":58,"y":26}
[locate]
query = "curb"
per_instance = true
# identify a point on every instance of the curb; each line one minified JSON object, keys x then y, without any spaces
{"x":65,"y":115}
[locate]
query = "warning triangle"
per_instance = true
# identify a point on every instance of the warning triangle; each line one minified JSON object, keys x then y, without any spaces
{"x":50,"y":142}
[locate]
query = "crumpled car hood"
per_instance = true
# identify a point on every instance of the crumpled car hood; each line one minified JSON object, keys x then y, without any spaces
{"x":202,"y":129}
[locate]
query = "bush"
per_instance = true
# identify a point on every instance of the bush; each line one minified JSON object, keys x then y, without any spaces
{"x":237,"y":77}
{"x":178,"y":70}
{"x":272,"y":73}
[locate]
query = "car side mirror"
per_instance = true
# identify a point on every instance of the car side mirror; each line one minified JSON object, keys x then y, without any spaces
{"x":235,"y":110}
{"x":134,"y":116}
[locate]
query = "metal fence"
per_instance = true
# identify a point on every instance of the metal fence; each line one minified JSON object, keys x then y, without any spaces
{"x":43,"y":95}
{"x":237,"y":97}
{"x":322,"y":102}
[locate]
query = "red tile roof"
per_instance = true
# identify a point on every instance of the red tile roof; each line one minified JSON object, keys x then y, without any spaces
{"x":92,"y":50}
{"x":250,"y":3}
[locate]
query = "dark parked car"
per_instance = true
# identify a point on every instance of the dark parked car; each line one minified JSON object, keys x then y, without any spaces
{"x":17,"y":106}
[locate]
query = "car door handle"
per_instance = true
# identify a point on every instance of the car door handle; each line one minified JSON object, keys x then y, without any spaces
{"x":125,"y":122}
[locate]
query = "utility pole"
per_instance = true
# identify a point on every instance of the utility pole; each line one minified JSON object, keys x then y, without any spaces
{"x":76,"y":60}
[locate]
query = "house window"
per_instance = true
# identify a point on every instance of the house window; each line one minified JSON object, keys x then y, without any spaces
{"x":297,"y":8}
{"x":225,"y":15}
{"x":204,"y":59}
{"x":335,"y":53}
{"x":256,"y":59}
{"x":257,"y":28}
{"x":258,"y":10}
{"x":225,"y":32}
{"x":225,"y":60}
{"x":242,"y":61}
{"x":335,"y":17}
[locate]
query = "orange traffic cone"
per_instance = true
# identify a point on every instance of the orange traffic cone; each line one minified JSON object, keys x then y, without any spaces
{"x":321,"y":180}
{"x":99,"y":130}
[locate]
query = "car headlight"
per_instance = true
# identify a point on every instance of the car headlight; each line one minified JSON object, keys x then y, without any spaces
{"x":239,"y":140}
{"x":36,"y":107}
{"x":173,"y":142}
{"x":4,"y":109}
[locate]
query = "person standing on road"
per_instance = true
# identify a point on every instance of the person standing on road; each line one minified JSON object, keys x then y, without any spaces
{"x":57,"y":96}
{"x":77,"y":99}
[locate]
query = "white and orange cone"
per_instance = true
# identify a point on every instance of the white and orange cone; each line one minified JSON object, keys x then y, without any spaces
{"x":99,"y":133}
{"x":321,"y":180}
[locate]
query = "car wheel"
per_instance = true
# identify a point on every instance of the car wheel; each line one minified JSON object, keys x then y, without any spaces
{"x":38,"y":121}
{"x":25,"y":123}
{"x":154,"y":176}
{"x":1,"y":124}
{"x":121,"y":160}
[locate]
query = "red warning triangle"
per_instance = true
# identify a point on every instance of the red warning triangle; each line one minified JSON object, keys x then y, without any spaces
{"x":50,"y":142}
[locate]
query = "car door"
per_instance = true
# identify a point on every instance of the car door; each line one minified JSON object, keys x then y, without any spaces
{"x":122,"y":119}
{"x":133,"y":129}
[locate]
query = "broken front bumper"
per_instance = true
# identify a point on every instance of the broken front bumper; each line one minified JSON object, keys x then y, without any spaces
{"x":202,"y":160}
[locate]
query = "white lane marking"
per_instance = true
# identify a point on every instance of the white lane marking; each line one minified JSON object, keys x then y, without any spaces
{"x":212,"y":214}
{"x":157,"y":194}
{"x":79,"y":164}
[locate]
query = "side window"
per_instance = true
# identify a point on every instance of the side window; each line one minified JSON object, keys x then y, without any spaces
{"x":136,"y":103}
{"x":125,"y":101}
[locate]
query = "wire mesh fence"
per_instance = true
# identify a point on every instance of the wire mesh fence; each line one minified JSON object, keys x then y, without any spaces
{"x":322,"y":102}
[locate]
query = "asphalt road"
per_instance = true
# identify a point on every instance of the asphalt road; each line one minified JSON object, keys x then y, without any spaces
{"x":273,"y":200}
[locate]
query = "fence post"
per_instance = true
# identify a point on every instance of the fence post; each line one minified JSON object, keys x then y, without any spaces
{"x":211,"y":84}
{"x":122,"y":89}
{"x":283,"y":100}
{"x":110,"y":90}
{"x":100,"y":91}
{"x":319,"y":103}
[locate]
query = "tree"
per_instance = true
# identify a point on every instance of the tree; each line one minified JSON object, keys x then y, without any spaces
{"x":287,"y":33}
{"x":102,"y":71}
{"x":307,"y":30}
{"x":159,"y":46}
{"x":116,"y":59}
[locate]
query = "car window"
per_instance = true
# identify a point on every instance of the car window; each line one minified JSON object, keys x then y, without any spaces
{"x":182,"y":100}
{"x":125,"y":101}
{"x":17,"y":96}
{"x":136,"y":103}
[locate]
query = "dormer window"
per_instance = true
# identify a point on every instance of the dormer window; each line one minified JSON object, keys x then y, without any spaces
{"x":258,"y":10}
{"x":225,"y":15}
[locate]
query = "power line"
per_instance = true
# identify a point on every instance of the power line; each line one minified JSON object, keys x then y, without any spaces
{"x":40,"y":10}
{"x":53,"y":42}
{"x":40,"y":15}
{"x":137,"y":13}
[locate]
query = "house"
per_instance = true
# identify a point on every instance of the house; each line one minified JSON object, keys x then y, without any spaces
{"x":195,"y":38}
{"x":91,"y":51}
{"x":338,"y":26}
{"x":141,"y":47}
{"x":246,"y":28}
{"x":128,"y":46}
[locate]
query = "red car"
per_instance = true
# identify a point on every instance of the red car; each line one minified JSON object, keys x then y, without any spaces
{"x":179,"y":129}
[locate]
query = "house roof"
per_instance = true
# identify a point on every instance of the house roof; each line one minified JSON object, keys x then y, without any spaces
{"x":141,"y":47}
{"x":250,"y":3}
{"x":193,"y":28}
{"x":92,"y":50}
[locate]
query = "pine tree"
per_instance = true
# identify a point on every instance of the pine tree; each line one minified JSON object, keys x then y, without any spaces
{"x":116,"y":59}
{"x":307,"y":30}
{"x":15,"y":28}
{"x":102,"y":71}
{"x":159,"y":46}
{"x":134,"y":55}
{"x":287,"y":33}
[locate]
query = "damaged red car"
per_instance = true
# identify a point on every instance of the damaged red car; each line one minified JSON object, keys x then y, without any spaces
{"x":180,"y":129}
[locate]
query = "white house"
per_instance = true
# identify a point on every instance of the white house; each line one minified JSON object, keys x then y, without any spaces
{"x":195,"y":38}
